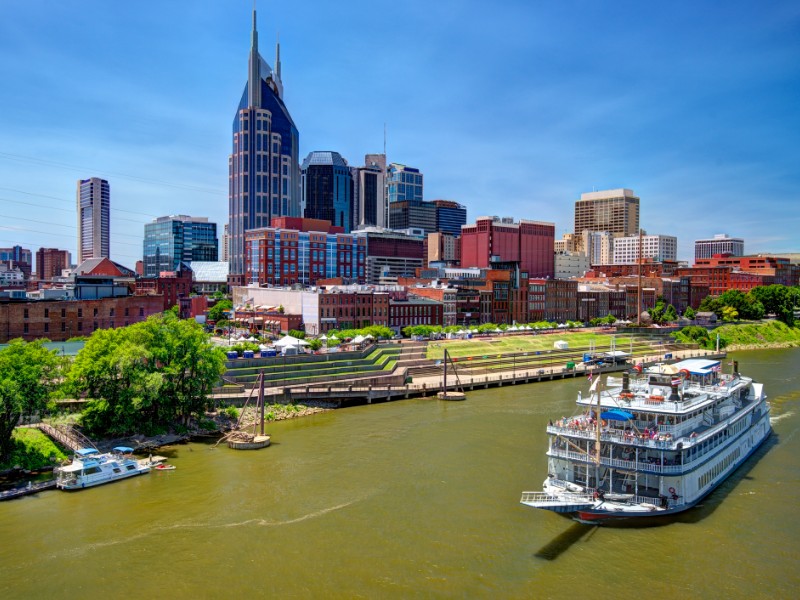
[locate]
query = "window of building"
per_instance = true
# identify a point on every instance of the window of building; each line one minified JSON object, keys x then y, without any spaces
{"x":46,"y":314}
{"x":25,"y":314}
{"x":46,"y":327}
{"x":63,"y":312}
{"x":94,"y":315}
{"x":141,"y":312}
{"x":24,"y":328}
{"x":111,"y":313}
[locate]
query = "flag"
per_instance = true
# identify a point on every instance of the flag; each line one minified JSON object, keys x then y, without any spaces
{"x":676,"y":381}
{"x":715,"y":368}
{"x":590,"y":378}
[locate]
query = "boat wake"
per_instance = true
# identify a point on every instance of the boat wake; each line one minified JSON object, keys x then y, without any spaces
{"x":776,"y":418}
{"x":178,"y":526}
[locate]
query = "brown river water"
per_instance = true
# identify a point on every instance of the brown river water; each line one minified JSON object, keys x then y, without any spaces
{"x":412,"y":498}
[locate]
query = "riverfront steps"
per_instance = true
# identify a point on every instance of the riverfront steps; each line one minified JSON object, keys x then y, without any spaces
{"x":354,"y":394}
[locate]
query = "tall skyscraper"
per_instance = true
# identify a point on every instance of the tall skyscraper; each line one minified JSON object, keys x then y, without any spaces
{"x":403,"y":183}
{"x":94,"y":207}
{"x":369,"y":192}
{"x":170,"y":241}
{"x":327,"y":189}
{"x":615,"y":211}
{"x":264,"y":169}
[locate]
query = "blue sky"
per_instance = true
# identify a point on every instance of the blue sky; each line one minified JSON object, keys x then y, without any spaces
{"x":509,"y":107}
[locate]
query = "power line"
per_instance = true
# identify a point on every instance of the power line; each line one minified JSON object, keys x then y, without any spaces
{"x":133,"y":212}
{"x":39,"y":161}
{"x":29,"y":230}
{"x":136,"y":237}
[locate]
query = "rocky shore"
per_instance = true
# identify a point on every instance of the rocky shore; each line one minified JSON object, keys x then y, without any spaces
{"x":223,"y":422}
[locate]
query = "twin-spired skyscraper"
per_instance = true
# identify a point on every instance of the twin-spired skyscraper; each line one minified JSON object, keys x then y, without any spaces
{"x":264,"y":168}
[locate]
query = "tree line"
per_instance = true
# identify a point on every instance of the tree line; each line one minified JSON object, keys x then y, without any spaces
{"x":144,"y":378}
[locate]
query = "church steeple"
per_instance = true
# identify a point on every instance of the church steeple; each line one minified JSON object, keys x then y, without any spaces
{"x":254,"y":73}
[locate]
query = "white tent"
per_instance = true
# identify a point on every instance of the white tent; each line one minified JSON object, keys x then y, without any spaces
{"x":251,"y":339}
{"x":288,"y":340}
{"x":561,"y":345}
{"x":369,"y":336}
{"x":334,"y":338}
{"x":263,"y":347}
{"x":359,"y":339}
{"x":323,"y":337}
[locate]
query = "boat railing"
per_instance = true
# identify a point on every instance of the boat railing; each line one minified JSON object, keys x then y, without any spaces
{"x":619,"y":463}
{"x":564,"y":497}
{"x":608,"y":436}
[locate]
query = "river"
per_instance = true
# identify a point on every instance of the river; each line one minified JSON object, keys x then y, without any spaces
{"x":412,"y":498}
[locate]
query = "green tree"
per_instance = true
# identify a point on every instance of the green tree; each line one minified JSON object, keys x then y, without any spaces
{"x":217,"y":312}
{"x":28,"y":372}
{"x":689,"y":313}
{"x":670,"y":314}
{"x":147,"y":376}
{"x":730,"y":314}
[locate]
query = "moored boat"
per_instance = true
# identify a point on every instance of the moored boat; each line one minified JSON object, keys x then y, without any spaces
{"x":90,"y":467}
{"x":652,"y":444}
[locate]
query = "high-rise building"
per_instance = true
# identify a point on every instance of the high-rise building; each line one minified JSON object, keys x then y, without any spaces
{"x":450,"y":216}
{"x":94,"y":218}
{"x":721,"y":243}
{"x":327,"y":188}
{"x":50,"y":262}
{"x":170,"y":241}
{"x":264,"y":169}
{"x":654,"y":248}
{"x":408,"y":214}
{"x":615,"y":211}
{"x":369,"y":192}
{"x":226,"y":242}
{"x":498,"y":243}
{"x":598,"y":246}
{"x":403,"y":183}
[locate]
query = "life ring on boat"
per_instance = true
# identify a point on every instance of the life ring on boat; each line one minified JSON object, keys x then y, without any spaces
{"x":603,"y":423}
{"x":685,"y":373}
{"x":672,"y":490}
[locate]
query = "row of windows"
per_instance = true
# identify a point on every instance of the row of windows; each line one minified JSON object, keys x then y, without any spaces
{"x":712,"y":473}
{"x":46,"y":328}
{"x":95,"y":312}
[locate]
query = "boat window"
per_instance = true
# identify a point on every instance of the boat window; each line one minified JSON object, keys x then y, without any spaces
{"x":91,"y":470}
{"x":131,"y":467}
{"x":117,"y":470}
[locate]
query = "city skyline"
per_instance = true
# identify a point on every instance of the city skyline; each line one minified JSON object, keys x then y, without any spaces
{"x":524,"y":107}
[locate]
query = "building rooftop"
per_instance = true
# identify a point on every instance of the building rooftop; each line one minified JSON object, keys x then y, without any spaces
{"x":210,"y":271}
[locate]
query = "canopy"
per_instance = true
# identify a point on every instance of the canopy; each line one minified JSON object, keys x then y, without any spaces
{"x":369,"y":336}
{"x":123,"y":449}
{"x":616,"y":415}
{"x":333,"y":337}
{"x":698,"y":366}
{"x":288,"y":340}
{"x":323,"y":337}
{"x":87,"y":451}
{"x":263,"y":347}
{"x":359,"y":339}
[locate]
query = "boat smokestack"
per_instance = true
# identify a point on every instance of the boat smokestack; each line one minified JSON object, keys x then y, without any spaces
{"x":674,"y":396}
{"x":736,"y":367}
{"x":626,"y":382}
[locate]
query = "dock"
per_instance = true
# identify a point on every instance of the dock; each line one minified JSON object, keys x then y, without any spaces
{"x":31,"y":488}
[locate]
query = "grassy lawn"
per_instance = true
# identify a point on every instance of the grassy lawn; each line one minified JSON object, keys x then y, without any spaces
{"x":523,"y":343}
{"x":32,"y":450}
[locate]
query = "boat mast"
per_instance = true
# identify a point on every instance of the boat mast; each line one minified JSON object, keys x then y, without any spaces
{"x":261,"y":399}
{"x":444,"y":379}
{"x":597,"y":425}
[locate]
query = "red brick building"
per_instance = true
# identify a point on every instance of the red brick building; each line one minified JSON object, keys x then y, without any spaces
{"x":353,"y":310}
{"x":50,"y":262}
{"x":59,"y":320}
{"x":171,"y":286}
{"x":414,"y":310}
{"x":496,"y":243}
